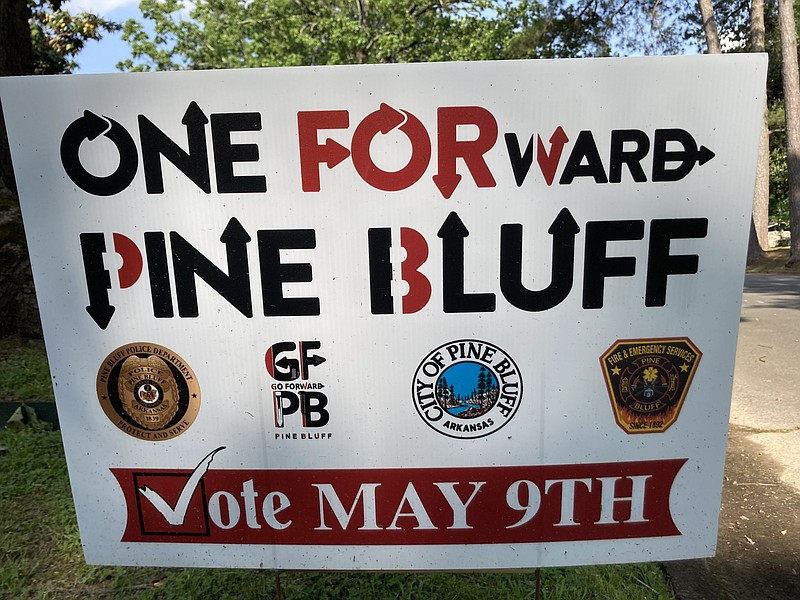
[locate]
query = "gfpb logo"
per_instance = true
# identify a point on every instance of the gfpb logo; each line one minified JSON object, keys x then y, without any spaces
{"x":467,"y":389}
{"x":294,"y":391}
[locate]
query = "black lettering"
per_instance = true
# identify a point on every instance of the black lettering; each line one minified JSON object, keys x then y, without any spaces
{"x":98,"y":280}
{"x":564,"y":229}
{"x":188,"y":262}
{"x":631,"y":158}
{"x":380,"y":271}
{"x":227,"y":153}
{"x":584,"y":149}
{"x":597,"y":265}
{"x":687,"y":157}
{"x":661,"y":264}
{"x":520,"y":163}
{"x":313,"y":409}
{"x":274,"y":273}
{"x":89,"y":127}
{"x":160,"y":289}
{"x":454,"y":300}
{"x":193,"y":164}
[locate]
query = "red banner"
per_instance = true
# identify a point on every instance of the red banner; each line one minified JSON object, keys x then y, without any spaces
{"x":474,"y":505}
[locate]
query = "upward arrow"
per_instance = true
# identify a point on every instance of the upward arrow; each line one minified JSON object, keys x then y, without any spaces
{"x":454,"y":300}
{"x":564,"y":229}
{"x":548,"y":163}
{"x":194,"y":116}
{"x":236,"y":238}
{"x":195,"y":121}
{"x":234,"y":235}
{"x":188,"y":263}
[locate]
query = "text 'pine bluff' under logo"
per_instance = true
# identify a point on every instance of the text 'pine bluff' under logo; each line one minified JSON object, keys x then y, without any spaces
{"x":148,"y":391}
{"x":648,"y":381}
{"x":467,"y":389}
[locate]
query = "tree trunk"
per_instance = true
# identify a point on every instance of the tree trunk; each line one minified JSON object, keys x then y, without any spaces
{"x":759,"y":225}
{"x":791,"y":96}
{"x":16,"y":58}
{"x":18,"y":312}
{"x":362,"y":10}
{"x":710,"y":26}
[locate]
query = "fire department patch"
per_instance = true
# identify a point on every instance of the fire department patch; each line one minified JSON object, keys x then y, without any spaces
{"x":648,"y":381}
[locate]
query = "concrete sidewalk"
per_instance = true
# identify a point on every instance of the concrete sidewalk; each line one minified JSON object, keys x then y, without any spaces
{"x":758,"y":548}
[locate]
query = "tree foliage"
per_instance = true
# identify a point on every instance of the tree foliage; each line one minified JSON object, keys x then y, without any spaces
{"x":57,"y":36}
{"x":246,"y":33}
{"x":239,"y":33}
{"x":249,"y":33}
{"x":578,"y":28}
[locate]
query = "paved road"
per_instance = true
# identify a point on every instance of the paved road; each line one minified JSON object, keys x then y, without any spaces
{"x":758,"y":549}
{"x":766,"y":392}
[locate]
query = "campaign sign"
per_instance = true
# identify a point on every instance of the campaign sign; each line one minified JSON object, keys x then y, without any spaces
{"x":432,"y":316}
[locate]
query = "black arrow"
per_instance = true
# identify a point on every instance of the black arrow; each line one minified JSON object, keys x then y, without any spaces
{"x":195,"y":121}
{"x":315,"y":360}
{"x":234,"y":286}
{"x":454,"y":300}
{"x":704,"y":155}
{"x":98,"y":280}
{"x":89,"y":127}
{"x":236,"y":238}
{"x":290,"y":370}
{"x":157,"y":145}
{"x":684,"y":152}
{"x":564,"y":229}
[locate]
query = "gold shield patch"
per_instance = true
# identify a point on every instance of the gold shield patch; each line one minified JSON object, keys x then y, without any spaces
{"x":148,"y":391}
{"x":648,"y":380}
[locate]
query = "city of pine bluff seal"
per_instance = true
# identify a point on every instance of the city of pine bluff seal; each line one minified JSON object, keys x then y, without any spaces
{"x":648,"y":380}
{"x":467,"y":389}
{"x":148,"y":391}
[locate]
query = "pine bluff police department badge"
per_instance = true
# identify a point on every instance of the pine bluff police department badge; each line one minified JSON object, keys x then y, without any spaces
{"x":648,"y":380}
{"x":148,"y":391}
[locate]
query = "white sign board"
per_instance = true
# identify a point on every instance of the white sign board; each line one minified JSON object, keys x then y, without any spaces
{"x":438,"y":316}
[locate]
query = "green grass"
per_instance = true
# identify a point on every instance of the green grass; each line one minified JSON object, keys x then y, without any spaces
{"x":40,"y":557}
{"x":24,"y":374}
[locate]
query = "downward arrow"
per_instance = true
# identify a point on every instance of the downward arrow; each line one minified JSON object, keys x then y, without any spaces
{"x":447,"y":182}
{"x":98,"y":280}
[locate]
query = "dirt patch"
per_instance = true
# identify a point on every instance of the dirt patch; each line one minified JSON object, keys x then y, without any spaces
{"x":774,"y":261}
{"x":758,"y":548}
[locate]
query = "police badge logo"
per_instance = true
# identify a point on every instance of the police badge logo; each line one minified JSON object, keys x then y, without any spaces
{"x":148,"y":391}
{"x":467,"y":389}
{"x":648,"y":380}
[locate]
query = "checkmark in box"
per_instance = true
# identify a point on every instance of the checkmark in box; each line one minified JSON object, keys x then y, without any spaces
{"x":174,"y":489}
